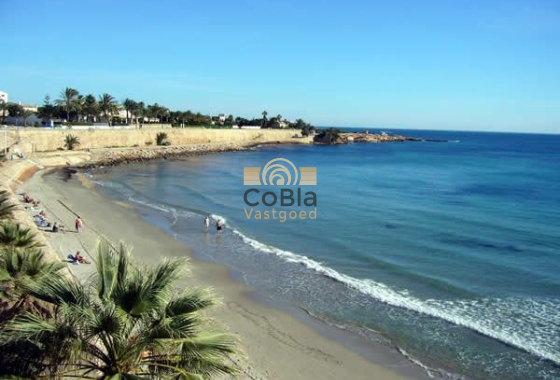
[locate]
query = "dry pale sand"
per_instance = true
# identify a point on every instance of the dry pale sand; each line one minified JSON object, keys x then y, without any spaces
{"x":277,"y":345}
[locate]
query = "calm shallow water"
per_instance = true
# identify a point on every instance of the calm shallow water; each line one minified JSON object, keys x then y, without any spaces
{"x":449,"y":249}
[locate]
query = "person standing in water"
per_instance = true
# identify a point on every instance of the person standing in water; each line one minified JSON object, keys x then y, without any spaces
{"x":207,"y":222}
{"x":219,"y":225}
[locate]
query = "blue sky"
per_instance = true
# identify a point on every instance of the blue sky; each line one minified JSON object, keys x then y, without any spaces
{"x":471,"y":65}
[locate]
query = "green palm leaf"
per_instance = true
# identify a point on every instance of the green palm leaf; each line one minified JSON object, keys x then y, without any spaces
{"x":6,"y":206}
{"x":125,"y":324}
{"x":15,"y":235}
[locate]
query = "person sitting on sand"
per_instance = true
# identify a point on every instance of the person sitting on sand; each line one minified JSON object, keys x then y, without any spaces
{"x":71,"y":258}
{"x":219,"y":225}
{"x":81,"y":259}
{"x":55,"y":227}
{"x":41,"y":221}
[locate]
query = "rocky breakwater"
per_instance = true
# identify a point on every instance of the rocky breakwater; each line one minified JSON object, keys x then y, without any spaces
{"x":114,"y":157}
{"x":362,"y":137}
{"x":333,"y":136}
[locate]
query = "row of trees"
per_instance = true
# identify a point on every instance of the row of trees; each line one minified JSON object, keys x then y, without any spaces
{"x":125,"y":322}
{"x":16,"y":110}
{"x":78,"y":108}
{"x":73,"y":106}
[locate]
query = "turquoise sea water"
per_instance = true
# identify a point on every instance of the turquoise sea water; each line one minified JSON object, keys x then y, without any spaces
{"x":450,"y":250}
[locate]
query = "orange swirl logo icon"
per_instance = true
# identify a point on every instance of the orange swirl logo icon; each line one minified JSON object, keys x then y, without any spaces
{"x":280,"y":172}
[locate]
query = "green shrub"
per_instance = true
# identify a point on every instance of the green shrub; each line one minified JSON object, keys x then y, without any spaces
{"x":71,"y":142}
{"x":160,"y":138}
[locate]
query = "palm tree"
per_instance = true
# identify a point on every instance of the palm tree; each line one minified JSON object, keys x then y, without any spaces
{"x":108,"y":106}
{"x":128,"y":322}
{"x":67,"y":98}
{"x":129,"y":106}
{"x":157,"y":111}
{"x":26,"y":115}
{"x":91,"y":108}
{"x":140,"y":110}
{"x":15,"y":235}
{"x":18,"y":269}
{"x":6,"y":205}
{"x":264,"y":120}
{"x":161,"y":137}
{"x":79,"y":105}
{"x":71,"y":141}
{"x":164,"y":114}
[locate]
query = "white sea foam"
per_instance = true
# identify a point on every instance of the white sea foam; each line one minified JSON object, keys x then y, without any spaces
{"x":218,"y":217}
{"x":159,"y":207}
{"x":526,"y":324}
{"x":432,"y":372}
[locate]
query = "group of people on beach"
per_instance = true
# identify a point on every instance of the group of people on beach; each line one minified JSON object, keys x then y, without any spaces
{"x":40,"y":219}
{"x":219,"y":224}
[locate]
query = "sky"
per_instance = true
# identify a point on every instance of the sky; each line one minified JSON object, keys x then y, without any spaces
{"x":456,"y":65}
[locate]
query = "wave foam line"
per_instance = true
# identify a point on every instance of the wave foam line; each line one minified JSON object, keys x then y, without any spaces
{"x":463,"y":313}
{"x":432,"y":373}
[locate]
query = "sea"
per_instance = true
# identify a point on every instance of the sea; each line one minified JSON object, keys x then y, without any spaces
{"x":448,"y":250}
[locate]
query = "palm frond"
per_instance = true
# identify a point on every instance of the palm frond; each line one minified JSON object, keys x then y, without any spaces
{"x":6,"y":205}
{"x":176,"y":327}
{"x":209,"y":341}
{"x":27,"y":327}
{"x":59,"y":290}
{"x":107,"y":263}
{"x":191,"y":300}
{"x":15,"y":235}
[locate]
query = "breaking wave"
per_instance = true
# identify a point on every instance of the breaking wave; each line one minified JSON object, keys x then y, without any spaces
{"x":528,"y":324}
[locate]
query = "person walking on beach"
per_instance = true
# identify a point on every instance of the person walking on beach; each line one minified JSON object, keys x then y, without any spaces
{"x":207,"y":222}
{"x":219,"y":225}
{"x":79,"y":224}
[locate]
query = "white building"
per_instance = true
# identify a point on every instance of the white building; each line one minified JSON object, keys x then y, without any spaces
{"x":28,"y":107}
{"x":3,"y":97}
{"x":220,"y":119}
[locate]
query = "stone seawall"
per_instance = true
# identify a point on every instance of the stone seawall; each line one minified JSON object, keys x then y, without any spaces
{"x":33,"y":140}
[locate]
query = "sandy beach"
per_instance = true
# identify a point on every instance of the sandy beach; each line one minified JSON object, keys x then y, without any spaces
{"x":276,"y":345}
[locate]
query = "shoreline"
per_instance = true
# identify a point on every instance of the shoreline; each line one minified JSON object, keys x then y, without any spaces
{"x":299,"y":351}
